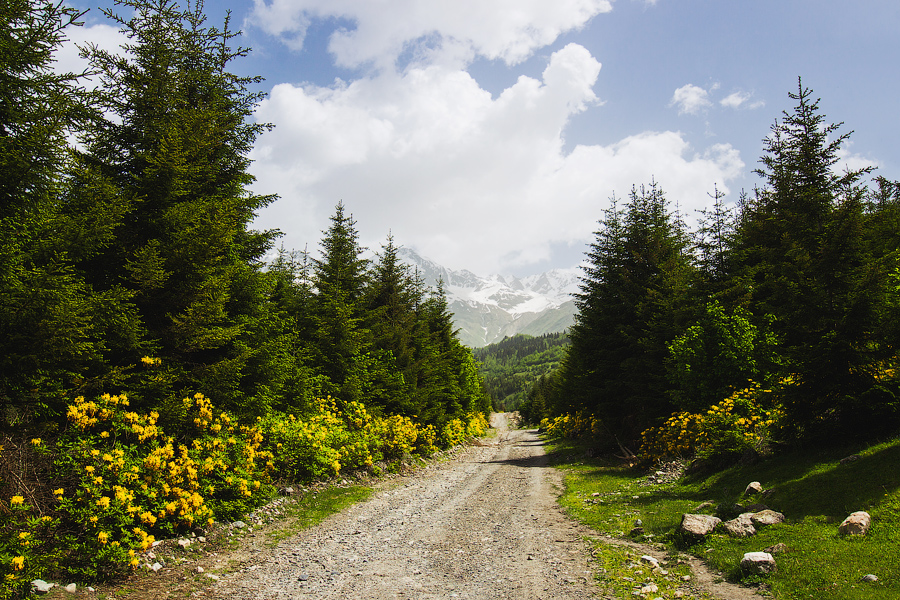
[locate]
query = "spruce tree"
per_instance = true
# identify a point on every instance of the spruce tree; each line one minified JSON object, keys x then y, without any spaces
{"x":631,"y":307}
{"x":806,"y":267}
{"x":391,"y":301}
{"x":50,"y":319}
{"x":173,"y":154}
{"x":340,"y":279}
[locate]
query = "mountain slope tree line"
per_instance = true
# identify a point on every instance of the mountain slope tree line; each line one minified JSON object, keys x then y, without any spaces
{"x":155,"y":372}
{"x":511,"y":367}
{"x":775,"y":322}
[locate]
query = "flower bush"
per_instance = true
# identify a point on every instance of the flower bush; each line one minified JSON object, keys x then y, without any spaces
{"x":572,"y":426}
{"x":329,"y":439}
{"x":27,"y":548}
{"x":744,"y":421}
{"x":120,"y":482}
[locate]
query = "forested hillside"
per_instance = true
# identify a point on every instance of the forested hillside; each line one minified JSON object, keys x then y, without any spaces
{"x":510,"y":368}
{"x":776,"y":322}
{"x":155,"y":373}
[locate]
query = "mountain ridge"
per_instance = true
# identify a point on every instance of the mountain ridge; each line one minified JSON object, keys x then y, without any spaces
{"x":488,"y":309}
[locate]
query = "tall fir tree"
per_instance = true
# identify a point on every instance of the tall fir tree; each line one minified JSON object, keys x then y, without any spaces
{"x":52,"y":324}
{"x":340,"y":278}
{"x":172,"y":153}
{"x":631,"y":306}
{"x":391,"y":302}
{"x":805,"y":265}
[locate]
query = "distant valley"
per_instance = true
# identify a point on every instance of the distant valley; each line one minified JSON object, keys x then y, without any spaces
{"x":488,"y":309}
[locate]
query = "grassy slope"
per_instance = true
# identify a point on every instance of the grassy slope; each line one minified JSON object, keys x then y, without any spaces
{"x":812,"y":489}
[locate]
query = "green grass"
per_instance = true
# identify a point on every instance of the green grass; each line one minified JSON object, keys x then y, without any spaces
{"x":812,"y":489}
{"x":621,"y":573}
{"x":315,"y":507}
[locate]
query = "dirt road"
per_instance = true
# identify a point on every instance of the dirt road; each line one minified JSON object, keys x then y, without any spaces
{"x":485,"y":525}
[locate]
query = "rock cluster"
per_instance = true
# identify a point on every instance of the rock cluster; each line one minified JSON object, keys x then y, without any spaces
{"x":41,"y":587}
{"x":750,"y":518}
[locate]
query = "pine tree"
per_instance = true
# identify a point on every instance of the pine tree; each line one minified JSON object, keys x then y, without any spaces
{"x":804,"y":260}
{"x":340,"y":279}
{"x":391,"y":308}
{"x":630,"y":308}
{"x":50,"y":319}
{"x":173,"y":154}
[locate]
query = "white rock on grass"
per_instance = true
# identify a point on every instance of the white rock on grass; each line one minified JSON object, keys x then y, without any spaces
{"x":742,"y":526}
{"x":764,"y":518}
{"x":698,"y":525}
{"x":759,"y":563}
{"x":654,"y":564}
{"x":40,"y":586}
{"x":753,"y":488}
{"x":857,"y":523}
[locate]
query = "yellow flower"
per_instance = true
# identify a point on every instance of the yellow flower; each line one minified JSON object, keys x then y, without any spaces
{"x":103,"y":502}
{"x":16,"y":500}
{"x":102,"y":537}
{"x":18,"y":563}
{"x":36,"y":441}
{"x":58,"y":492}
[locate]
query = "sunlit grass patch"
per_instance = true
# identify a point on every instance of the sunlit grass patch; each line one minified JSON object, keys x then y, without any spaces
{"x":814,"y":490}
{"x":314,"y":507}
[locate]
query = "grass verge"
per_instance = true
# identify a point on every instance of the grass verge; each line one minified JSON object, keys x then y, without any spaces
{"x":312,"y":509}
{"x":812,"y":488}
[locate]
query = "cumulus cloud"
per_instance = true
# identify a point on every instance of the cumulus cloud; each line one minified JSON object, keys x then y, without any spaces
{"x":470,"y":180}
{"x":690,"y":99}
{"x":105,"y":37}
{"x":436,"y":30}
{"x":740,"y":100}
{"x":417,"y":147}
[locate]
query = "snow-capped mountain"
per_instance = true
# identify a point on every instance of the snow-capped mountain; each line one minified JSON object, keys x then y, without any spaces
{"x":487,"y":309}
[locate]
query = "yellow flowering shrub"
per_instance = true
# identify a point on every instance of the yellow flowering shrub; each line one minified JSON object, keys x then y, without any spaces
{"x":27,"y":546}
{"x":454,"y":433}
{"x":131,"y":483}
{"x":329,"y":438}
{"x":571,"y":426}
{"x":121,"y":482}
{"x":743,"y":421}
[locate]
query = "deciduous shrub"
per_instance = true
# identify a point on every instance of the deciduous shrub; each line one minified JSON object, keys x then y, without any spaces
{"x":572,"y":426}
{"x":120,"y":482}
{"x":744,"y":421}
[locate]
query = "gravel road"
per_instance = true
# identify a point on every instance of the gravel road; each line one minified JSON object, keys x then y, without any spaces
{"x":485,"y":525}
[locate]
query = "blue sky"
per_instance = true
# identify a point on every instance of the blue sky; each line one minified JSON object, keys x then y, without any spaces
{"x":490,"y":134}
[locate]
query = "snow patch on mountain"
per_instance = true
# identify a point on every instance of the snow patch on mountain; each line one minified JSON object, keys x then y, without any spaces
{"x":487,"y":309}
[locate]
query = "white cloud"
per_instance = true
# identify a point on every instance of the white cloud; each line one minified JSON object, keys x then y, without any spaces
{"x":848,"y":161}
{"x":441,"y":30}
{"x":105,"y":37}
{"x":690,"y":99}
{"x":740,"y":100}
{"x":470,"y":180}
